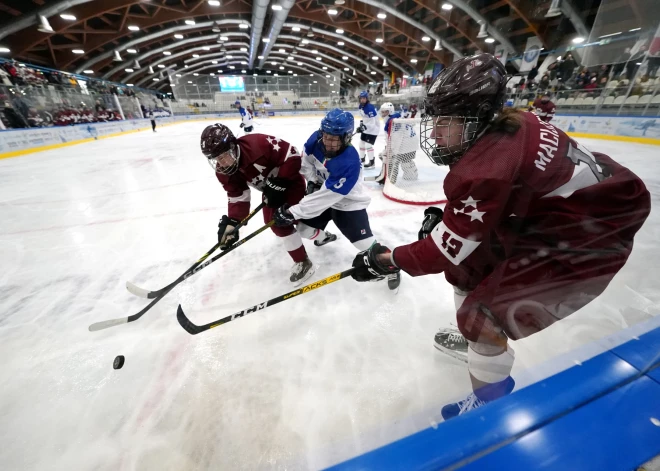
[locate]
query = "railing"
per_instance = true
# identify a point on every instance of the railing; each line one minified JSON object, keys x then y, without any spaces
{"x":193,"y":106}
{"x":618,"y":97}
{"x":59,"y":105}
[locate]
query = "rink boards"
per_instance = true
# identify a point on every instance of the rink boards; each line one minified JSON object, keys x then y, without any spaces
{"x":599,"y":413}
{"x":644,"y":130}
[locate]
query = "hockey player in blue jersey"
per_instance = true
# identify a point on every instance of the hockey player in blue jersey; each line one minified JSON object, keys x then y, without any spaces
{"x":335,"y":190}
{"x":368,"y":129}
{"x":246,"y":118}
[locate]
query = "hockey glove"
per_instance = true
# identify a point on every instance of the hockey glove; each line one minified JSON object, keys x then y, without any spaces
{"x":275,"y":192}
{"x":242,"y":125}
{"x":312,"y":187}
{"x":368,"y":268}
{"x":432,"y":216}
{"x":226,"y":233}
{"x":361,"y":128}
{"x":283,"y":216}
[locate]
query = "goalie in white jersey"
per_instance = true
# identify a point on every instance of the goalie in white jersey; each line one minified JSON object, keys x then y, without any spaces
{"x":335,"y":191}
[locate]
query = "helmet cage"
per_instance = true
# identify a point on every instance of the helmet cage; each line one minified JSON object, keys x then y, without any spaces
{"x":447,"y":154}
{"x":234,"y":152}
{"x":345,"y":141}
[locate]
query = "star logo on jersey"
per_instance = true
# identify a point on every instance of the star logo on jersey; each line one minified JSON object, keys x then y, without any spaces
{"x":475,"y":214}
{"x":257,"y":180}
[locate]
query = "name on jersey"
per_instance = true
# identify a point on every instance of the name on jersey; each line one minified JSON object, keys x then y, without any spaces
{"x":548,"y":145}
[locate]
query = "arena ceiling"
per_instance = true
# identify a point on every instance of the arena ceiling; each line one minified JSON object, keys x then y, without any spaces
{"x":357,"y":37}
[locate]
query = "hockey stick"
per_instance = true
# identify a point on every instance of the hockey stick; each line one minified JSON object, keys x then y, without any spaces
{"x":124,"y":320}
{"x":196,"y":329}
{"x":144,"y":293}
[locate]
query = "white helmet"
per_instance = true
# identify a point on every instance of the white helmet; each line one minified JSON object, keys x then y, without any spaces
{"x":389,"y":107}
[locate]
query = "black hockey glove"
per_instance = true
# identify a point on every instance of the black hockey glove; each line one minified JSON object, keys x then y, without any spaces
{"x":361,"y":128}
{"x":283,"y":216}
{"x":242,"y":125}
{"x":432,"y":217}
{"x":226,"y":233}
{"x":312,"y":187}
{"x":275,"y":191}
{"x":368,"y":268}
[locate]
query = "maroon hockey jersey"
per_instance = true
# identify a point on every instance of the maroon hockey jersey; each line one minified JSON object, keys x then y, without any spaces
{"x":261,"y":156}
{"x":545,"y":111}
{"x":536,"y":190}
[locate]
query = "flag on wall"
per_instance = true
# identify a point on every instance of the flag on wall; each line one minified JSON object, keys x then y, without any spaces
{"x":501,"y":54}
{"x":531,"y":56}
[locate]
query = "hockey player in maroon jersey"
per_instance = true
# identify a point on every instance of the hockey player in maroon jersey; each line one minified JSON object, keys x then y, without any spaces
{"x":413,"y":110}
{"x":268,"y":164}
{"x":536,"y":226}
{"x":544,"y":108}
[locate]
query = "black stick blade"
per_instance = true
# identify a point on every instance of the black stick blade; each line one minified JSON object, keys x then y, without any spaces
{"x":186,"y":323}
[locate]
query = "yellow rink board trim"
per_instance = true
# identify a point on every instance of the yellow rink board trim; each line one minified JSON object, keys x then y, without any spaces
{"x":32,"y":150}
{"x":17,"y":153}
{"x":608,"y":137}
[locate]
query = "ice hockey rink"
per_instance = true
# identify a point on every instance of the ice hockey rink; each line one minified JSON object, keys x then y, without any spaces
{"x":301,"y":385}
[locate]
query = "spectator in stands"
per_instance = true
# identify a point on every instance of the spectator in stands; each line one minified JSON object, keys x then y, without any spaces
{"x":592,"y":85}
{"x":567,"y":67}
{"x":604,"y":71}
{"x":553,"y":70}
{"x":544,"y":84}
{"x":533,"y":73}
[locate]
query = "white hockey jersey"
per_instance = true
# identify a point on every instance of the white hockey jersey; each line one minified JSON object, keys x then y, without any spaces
{"x":246,"y":116}
{"x":369,"y":117}
{"x":343,"y":188}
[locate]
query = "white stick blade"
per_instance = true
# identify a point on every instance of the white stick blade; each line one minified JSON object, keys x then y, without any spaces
{"x":107,"y":324}
{"x":137,"y":291}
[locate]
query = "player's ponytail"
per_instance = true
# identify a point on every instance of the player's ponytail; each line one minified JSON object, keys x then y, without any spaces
{"x":508,"y":121}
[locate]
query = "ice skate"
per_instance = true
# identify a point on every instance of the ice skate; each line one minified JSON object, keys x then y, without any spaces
{"x":451,"y":342}
{"x":328,"y":238}
{"x":301,"y":271}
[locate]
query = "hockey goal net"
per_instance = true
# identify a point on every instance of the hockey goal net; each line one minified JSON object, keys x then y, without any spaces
{"x":407,"y":174}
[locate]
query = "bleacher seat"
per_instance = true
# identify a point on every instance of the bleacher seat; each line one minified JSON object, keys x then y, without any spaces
{"x":656,"y":100}
{"x":589,"y":101}
{"x":619,"y":100}
{"x":561,"y":102}
{"x":608,"y":101}
{"x":569,"y":101}
{"x":644,"y":99}
{"x":612,"y":84}
{"x":631,"y":100}
{"x":578,"y":102}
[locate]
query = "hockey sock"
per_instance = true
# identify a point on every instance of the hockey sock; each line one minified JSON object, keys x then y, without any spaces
{"x":370,"y":152}
{"x":363,"y":150}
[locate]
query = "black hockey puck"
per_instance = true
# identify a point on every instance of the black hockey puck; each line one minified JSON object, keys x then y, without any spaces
{"x":118,"y":363}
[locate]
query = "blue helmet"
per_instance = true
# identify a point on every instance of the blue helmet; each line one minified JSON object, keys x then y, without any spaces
{"x":337,"y":123}
{"x":237,"y":102}
{"x":364,"y":94}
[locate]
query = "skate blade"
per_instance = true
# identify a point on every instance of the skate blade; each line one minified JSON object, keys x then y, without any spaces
{"x":305,"y":278}
{"x":451,"y":353}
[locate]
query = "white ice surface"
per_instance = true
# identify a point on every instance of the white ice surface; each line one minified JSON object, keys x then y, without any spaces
{"x":302,"y":385}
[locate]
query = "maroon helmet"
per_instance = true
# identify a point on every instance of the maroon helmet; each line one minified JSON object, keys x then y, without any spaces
{"x":462,"y":100}
{"x":217,"y":140}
